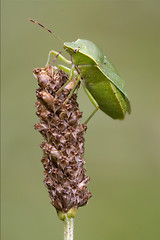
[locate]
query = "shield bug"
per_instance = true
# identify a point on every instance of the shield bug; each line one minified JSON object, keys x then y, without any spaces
{"x":101,"y":81}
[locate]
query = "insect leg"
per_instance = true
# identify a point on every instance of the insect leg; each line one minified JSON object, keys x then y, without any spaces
{"x":94,"y":103}
{"x":64,"y":68}
{"x":71,"y":71}
{"x":73,"y":89}
{"x":58,"y":55}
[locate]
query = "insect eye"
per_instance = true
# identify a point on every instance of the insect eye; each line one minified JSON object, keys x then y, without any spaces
{"x":76,"y":50}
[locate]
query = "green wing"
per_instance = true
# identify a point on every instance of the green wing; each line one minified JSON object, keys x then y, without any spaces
{"x":92,"y":51}
{"x":111,"y":73}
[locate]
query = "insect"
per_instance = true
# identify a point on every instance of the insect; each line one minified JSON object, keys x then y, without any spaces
{"x":101,"y":81}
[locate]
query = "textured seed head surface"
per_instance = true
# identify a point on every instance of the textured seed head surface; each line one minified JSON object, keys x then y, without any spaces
{"x":63,"y":148}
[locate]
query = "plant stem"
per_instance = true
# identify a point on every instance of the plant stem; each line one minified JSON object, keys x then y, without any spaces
{"x":68,"y":228}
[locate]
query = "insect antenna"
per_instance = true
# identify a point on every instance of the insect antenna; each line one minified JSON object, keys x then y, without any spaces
{"x":31,"y":20}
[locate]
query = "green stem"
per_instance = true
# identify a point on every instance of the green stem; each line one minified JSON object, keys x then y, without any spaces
{"x":68,"y":228}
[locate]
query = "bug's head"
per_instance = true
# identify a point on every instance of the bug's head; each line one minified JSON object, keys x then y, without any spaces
{"x":80,"y":51}
{"x":71,"y":47}
{"x":74,"y":49}
{"x":84,"y":52}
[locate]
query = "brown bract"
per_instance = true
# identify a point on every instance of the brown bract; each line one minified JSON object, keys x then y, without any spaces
{"x":63,"y":160}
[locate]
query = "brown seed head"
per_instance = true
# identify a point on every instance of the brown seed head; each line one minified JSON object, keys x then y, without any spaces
{"x":63,"y":160}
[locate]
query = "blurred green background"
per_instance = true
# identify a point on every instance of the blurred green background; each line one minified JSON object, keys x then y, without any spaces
{"x":122,"y":157}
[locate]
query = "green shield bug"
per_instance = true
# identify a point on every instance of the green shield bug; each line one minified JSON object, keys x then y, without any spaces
{"x":103,"y":85}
